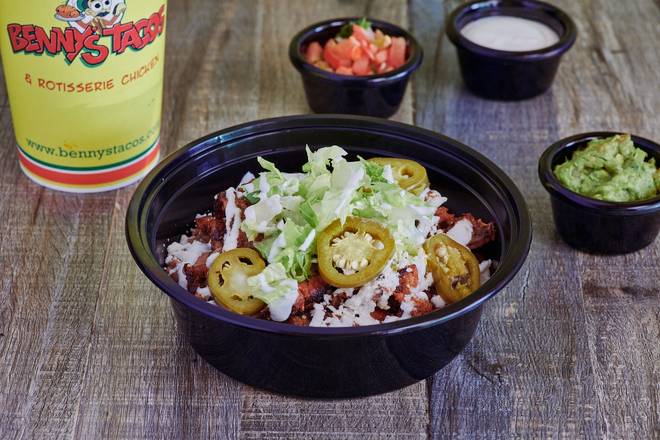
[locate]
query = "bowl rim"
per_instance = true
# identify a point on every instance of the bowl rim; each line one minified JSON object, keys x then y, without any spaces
{"x":480,"y":7}
{"x":557,"y":189}
{"x":307,"y":34}
{"x":138,"y":238}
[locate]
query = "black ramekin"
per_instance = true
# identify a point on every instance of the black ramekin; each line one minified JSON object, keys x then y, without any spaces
{"x":598,"y":226}
{"x":374,"y":95}
{"x":323,"y":362}
{"x":504,"y":75}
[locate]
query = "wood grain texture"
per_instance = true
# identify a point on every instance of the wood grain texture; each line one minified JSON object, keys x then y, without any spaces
{"x":565,"y":351}
{"x":89,"y":349}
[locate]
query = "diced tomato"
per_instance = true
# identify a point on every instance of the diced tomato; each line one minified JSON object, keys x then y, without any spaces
{"x":344,"y":71}
{"x":365,"y":50}
{"x":356,"y":53}
{"x":346,"y":47}
{"x":397,"y":55}
{"x":362,"y":34}
{"x":363,"y":53}
{"x":381,"y":56}
{"x":314,"y":51}
{"x":361,"y":66}
{"x":330,"y":54}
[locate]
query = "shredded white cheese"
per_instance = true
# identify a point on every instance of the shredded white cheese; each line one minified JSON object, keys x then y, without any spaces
{"x":433,"y":198}
{"x":484,"y":269}
{"x":461,"y":232}
{"x":205,"y":292}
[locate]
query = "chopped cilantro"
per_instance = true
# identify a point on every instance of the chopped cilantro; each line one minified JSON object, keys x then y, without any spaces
{"x":347,"y":29}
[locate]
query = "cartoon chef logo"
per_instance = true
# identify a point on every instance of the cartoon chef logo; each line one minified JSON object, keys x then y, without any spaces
{"x":97,"y":14}
{"x":95,"y":31}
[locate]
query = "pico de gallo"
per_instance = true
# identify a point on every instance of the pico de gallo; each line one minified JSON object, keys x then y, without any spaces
{"x":358,"y":50}
{"x":339,"y":243}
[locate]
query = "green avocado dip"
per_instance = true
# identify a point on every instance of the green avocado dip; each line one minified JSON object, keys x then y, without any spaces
{"x":611,"y":169}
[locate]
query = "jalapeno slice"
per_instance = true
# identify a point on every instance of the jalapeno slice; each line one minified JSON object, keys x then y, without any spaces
{"x":351,"y":254}
{"x":408,"y":174}
{"x":454,"y":267}
{"x":228,"y":276}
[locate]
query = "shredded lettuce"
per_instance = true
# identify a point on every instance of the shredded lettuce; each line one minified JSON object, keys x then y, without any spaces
{"x":275,"y":288}
{"x":291,"y":208}
{"x":259,"y":217}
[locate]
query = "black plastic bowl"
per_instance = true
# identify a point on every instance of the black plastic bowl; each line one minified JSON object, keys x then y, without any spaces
{"x":323,"y":362}
{"x":374,"y":95}
{"x":504,"y":75}
{"x":594,"y":225}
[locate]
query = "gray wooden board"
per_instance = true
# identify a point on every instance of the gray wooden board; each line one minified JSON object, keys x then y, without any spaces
{"x":89,"y":349}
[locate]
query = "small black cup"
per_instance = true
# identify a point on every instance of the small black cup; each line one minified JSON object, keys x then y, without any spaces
{"x":374,"y":95}
{"x":504,"y":75}
{"x":598,"y":226}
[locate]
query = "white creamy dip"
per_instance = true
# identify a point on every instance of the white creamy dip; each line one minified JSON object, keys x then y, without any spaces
{"x":514,"y":34}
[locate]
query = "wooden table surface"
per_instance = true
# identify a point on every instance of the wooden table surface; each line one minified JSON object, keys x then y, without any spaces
{"x":88,"y":347}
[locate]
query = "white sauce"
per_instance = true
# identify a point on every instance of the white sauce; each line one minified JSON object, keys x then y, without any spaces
{"x":280,"y":309}
{"x":514,"y":34}
{"x":211,"y":259}
{"x":184,"y":252}
{"x":232,"y":221}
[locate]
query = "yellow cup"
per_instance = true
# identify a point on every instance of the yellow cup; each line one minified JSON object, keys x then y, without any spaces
{"x":85,"y":84}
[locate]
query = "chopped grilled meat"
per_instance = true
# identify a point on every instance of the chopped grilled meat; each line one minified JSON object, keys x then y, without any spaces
{"x":482,"y":232}
{"x":209,"y":229}
{"x":379,"y":314}
{"x":408,"y":279}
{"x":445,"y":218}
{"x":422,"y":307}
{"x":300,"y":320}
{"x":338,"y":299}
{"x":197,"y":273}
{"x":309,"y":292}
{"x":242,"y":203}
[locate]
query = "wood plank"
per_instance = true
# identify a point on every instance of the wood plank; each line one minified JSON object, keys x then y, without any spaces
{"x":617,"y":74}
{"x":45,"y":311}
{"x":400,"y":414}
{"x":527,"y":372}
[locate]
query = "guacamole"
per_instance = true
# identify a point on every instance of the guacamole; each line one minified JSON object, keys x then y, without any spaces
{"x":611,"y":169}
